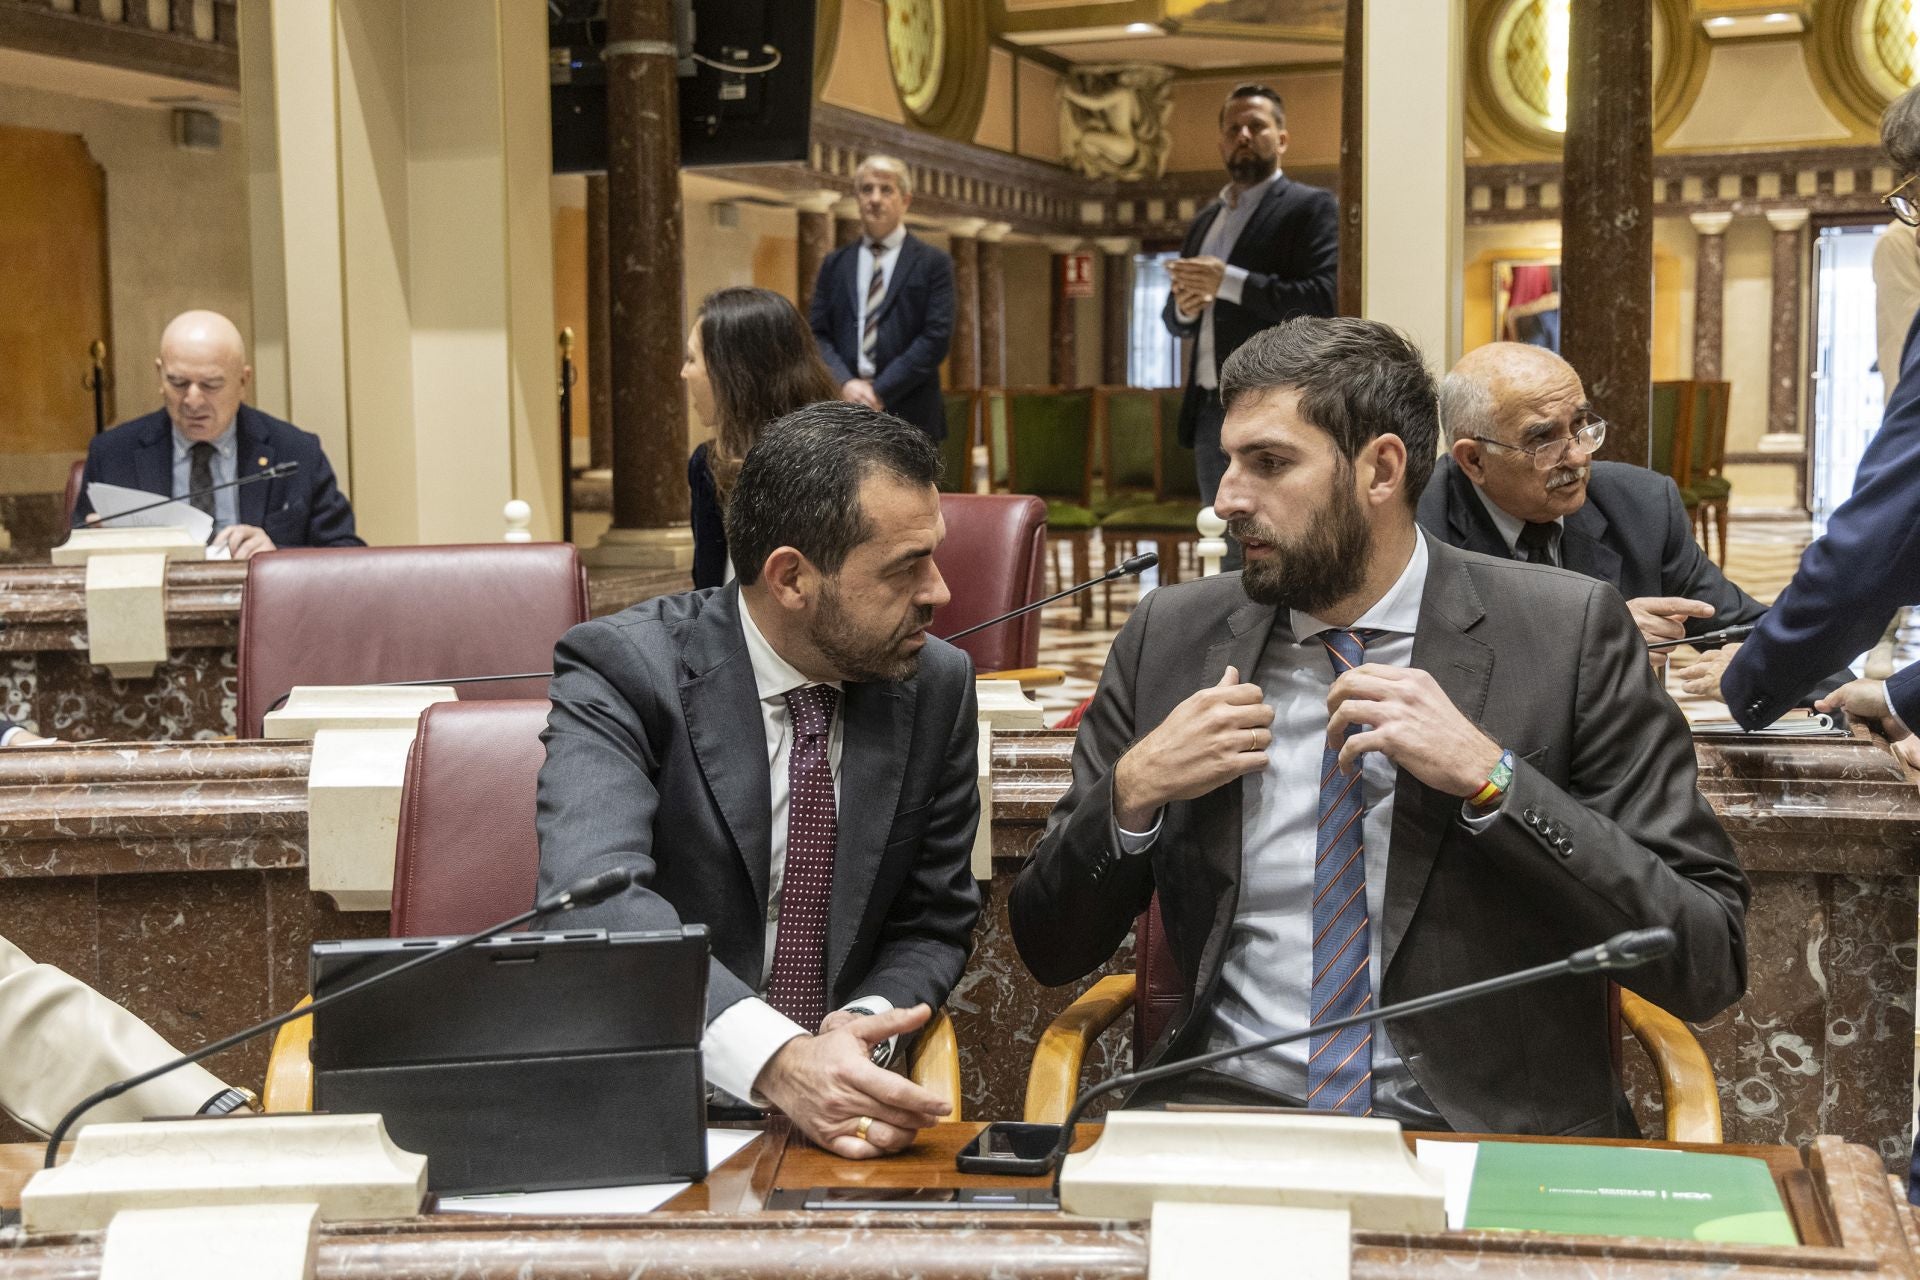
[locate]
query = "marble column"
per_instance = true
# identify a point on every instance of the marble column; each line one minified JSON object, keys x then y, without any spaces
{"x":993,"y":306}
{"x":963,"y":357}
{"x":1709,"y":292}
{"x":1353,"y":169}
{"x":846,"y":221}
{"x":1116,"y":309}
{"x":645,"y":247}
{"x":816,"y":242}
{"x":1063,"y":344}
{"x":1783,"y":351}
{"x":1606,"y":216}
{"x":599,"y":330}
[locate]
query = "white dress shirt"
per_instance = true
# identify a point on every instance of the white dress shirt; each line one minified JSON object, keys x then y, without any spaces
{"x":1511,"y":526}
{"x":739,"y":1043}
{"x":869,"y":261}
{"x":1237,"y":208}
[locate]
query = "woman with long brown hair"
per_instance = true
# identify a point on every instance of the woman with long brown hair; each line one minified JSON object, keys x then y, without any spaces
{"x":750,"y":360}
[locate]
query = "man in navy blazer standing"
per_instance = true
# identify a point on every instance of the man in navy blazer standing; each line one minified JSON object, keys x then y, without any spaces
{"x":883,"y":306}
{"x":204,"y":436}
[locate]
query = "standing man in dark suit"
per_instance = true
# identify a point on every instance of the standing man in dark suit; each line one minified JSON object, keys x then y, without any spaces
{"x":790,"y":760}
{"x":1266,"y":250}
{"x":883,"y":306}
{"x":205,"y":436}
{"x":1440,"y":767}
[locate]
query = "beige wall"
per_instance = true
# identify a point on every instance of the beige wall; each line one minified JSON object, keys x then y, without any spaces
{"x":996,"y":114}
{"x":1037,"y":111}
{"x":861,"y":79}
{"x":176,"y":239}
{"x":1313,"y":119}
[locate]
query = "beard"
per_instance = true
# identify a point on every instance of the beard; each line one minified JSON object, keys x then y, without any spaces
{"x":860,"y":656}
{"x":1323,"y":566}
{"x":1247,"y":168}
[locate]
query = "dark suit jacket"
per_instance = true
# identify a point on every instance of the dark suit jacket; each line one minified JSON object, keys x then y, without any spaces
{"x":1291,"y":250}
{"x":656,"y":759}
{"x":1603,"y":830}
{"x":916,"y":327}
{"x":1851,"y":579}
{"x":304,"y":509}
{"x":709,"y":522}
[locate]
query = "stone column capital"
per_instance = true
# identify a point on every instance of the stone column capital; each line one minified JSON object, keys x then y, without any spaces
{"x":822,"y":201}
{"x":1710,"y":224}
{"x":966,"y":228}
{"x":995,"y":232}
{"x":1118,"y":246}
{"x":1062,"y":244}
{"x":1786,"y":219}
{"x":846,"y":207}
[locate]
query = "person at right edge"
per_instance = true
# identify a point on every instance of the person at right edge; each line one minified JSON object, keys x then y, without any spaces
{"x":1266,"y":250}
{"x":1373,"y":767}
{"x":1854,"y":577}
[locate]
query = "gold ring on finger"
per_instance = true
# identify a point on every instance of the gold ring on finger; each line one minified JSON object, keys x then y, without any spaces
{"x":860,"y":1130}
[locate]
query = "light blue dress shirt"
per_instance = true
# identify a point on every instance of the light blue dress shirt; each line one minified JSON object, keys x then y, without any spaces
{"x":226,"y":502}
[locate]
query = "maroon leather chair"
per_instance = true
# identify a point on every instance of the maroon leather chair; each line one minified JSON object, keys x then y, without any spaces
{"x":360,"y":615}
{"x":74,"y":472}
{"x":994,"y":559}
{"x":468,"y":853}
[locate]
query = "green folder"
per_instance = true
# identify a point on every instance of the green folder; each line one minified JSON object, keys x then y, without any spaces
{"x":1626,"y":1191}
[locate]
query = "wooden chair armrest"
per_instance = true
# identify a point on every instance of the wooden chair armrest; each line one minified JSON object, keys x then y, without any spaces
{"x":290,"y":1070}
{"x":1687,"y":1083}
{"x":936,"y":1061}
{"x":1029,"y":677}
{"x":1054,"y":1079}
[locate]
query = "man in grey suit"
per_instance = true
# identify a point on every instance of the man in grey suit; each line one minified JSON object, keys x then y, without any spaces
{"x":790,"y":760}
{"x":1441,"y":767}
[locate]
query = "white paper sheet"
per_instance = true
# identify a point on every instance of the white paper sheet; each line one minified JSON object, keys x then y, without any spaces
{"x":111,"y":500}
{"x":721,"y":1145}
{"x":1455,"y":1161}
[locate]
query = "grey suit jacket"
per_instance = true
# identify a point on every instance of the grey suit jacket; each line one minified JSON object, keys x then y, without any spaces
{"x":1603,"y":830}
{"x":656,"y":758}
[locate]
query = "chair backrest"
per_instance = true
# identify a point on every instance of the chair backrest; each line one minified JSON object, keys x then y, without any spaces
{"x":74,"y":473}
{"x":994,"y":560}
{"x":1128,"y":422}
{"x":1178,"y":481}
{"x":468,"y":853}
{"x":1670,"y":428}
{"x":1709,"y":422}
{"x":956,"y":451}
{"x":1050,"y":443}
{"x":360,"y":615}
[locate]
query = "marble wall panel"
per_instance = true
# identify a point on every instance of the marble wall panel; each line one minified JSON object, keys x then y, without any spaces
{"x":193,"y":695}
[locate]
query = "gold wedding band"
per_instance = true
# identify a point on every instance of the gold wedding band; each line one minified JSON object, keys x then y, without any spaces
{"x":860,"y":1130}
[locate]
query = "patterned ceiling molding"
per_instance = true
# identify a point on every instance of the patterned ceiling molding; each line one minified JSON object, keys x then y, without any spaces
{"x":1831,"y":180}
{"x":197,"y":42}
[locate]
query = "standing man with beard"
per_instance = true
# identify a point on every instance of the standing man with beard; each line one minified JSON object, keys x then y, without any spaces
{"x":790,"y":760}
{"x":1441,"y":767}
{"x":1266,"y":250}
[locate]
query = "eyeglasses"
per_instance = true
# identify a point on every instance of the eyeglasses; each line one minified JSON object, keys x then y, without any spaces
{"x":1903,"y":206}
{"x":1591,"y":434}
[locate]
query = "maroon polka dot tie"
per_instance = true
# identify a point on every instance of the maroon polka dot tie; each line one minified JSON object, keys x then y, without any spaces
{"x":798,"y":987}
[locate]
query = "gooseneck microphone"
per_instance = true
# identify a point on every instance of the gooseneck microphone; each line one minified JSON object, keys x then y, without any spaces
{"x":1125,"y":569}
{"x":273,"y":472}
{"x":583,"y":893}
{"x":1623,"y":951}
{"x":1722,"y":636}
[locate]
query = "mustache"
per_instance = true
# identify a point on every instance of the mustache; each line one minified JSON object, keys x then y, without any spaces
{"x":1247,"y":529}
{"x":922,"y":618}
{"x":1561,"y":477}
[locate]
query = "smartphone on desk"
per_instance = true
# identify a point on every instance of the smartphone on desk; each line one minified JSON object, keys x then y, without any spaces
{"x":1010,"y":1147}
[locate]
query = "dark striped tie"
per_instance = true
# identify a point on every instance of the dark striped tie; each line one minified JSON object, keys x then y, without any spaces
{"x":1340,"y":1066}
{"x":876,"y":290}
{"x":200,"y":475}
{"x":798,"y":984}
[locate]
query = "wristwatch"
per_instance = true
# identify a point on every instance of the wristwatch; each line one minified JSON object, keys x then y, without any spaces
{"x":1488,"y":797}
{"x":230,"y":1100}
{"x":881,"y":1054}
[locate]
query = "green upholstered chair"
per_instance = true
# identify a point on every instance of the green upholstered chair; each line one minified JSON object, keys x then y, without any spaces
{"x":956,"y":451}
{"x":1127,"y":425}
{"x":993,"y":429}
{"x":1670,"y":435}
{"x":1709,"y":459}
{"x":1168,"y":520}
{"x":1049,"y":433}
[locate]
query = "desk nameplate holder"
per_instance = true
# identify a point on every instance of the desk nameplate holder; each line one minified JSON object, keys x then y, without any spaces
{"x":1221,"y":1187}
{"x":168,"y":1192}
{"x":361,"y":735}
{"x":1002,"y":704}
{"x":127,"y":593}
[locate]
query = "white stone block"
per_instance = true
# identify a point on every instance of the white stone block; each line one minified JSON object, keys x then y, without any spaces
{"x":353,"y":814}
{"x":127,"y":613}
{"x":83,"y":544}
{"x":238,"y":1242}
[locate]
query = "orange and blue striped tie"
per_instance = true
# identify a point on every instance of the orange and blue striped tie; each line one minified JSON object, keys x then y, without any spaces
{"x":1340,"y":1065}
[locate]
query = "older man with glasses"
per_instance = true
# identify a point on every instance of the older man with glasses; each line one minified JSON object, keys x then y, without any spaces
{"x":1520,"y":480}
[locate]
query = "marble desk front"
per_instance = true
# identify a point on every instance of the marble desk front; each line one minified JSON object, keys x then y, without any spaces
{"x":120,"y":864}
